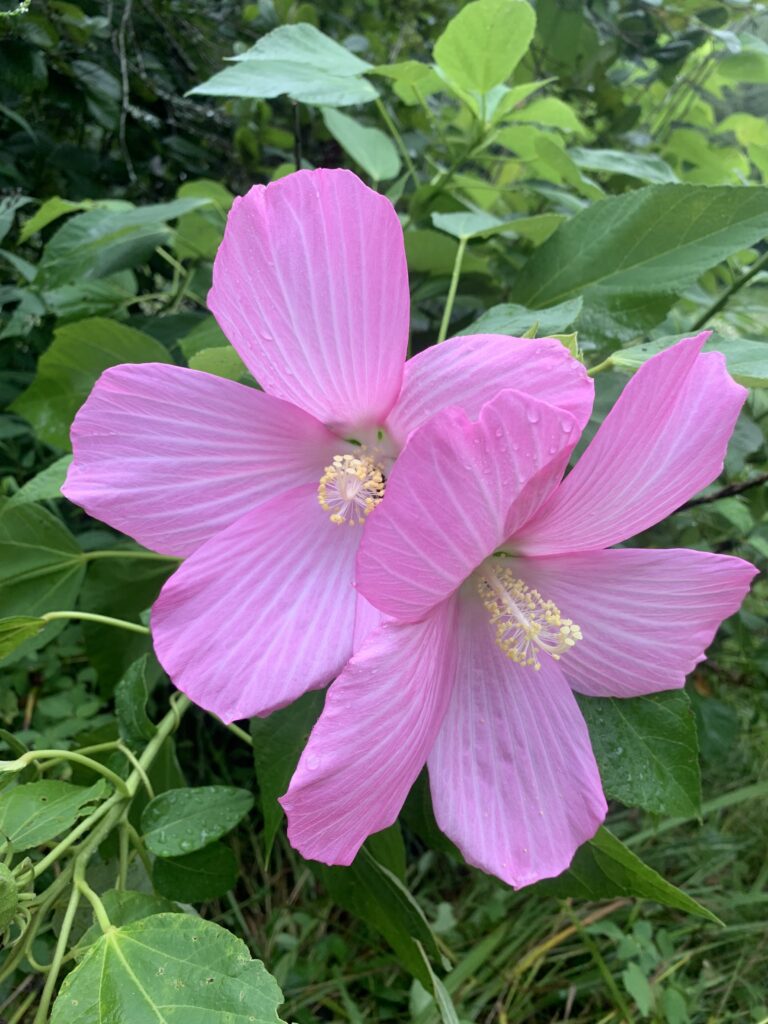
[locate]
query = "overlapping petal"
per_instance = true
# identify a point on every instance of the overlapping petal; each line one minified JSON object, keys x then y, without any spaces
{"x":513,"y":778}
{"x":647,"y":617}
{"x":380,"y":720}
{"x":469,"y":371}
{"x":664,"y":440}
{"x":310,"y":285}
{"x":263,"y":611}
{"x":449,"y":497}
{"x":172,"y":456}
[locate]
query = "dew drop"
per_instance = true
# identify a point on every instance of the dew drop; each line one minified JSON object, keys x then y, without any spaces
{"x":533,"y":415}
{"x":566,"y":426}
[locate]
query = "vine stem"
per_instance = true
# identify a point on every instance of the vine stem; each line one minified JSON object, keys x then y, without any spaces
{"x":53,"y":974}
{"x":104,"y":620}
{"x":452,"y":289}
{"x":77,"y":758}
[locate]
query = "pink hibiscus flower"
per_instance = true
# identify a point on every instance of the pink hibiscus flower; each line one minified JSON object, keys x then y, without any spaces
{"x":503,"y":600}
{"x":254,"y":487}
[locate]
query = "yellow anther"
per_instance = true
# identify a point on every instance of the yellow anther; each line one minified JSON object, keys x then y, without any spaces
{"x":351,"y":488}
{"x":525,"y":623}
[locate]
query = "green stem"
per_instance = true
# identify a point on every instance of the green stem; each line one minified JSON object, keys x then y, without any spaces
{"x":53,"y":974}
{"x":82,"y":886}
{"x":398,"y":139}
{"x":452,"y":290}
{"x":601,"y":965}
{"x":104,"y":620}
{"x":119,"y":553}
{"x":79,"y":830}
{"x":240,"y":733}
{"x":77,"y":758}
{"x":605,"y":365}
{"x":736,"y":286}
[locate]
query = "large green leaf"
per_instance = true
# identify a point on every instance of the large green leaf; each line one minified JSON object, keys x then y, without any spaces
{"x":16,"y":629}
{"x":483,"y":44}
{"x":277,"y":744}
{"x":298,"y":61}
{"x":183,"y":820}
{"x":164,"y":968}
{"x":643,"y":166}
{"x":205,"y":874}
{"x":37,"y":812}
{"x":45,"y":486}
{"x":647,"y":751}
{"x":370,"y":147}
{"x":101,"y":242}
{"x":69,"y":368}
{"x":747,"y":360}
{"x":622,"y":251}
{"x":604,"y":868}
{"x":370,"y":891}
{"x":41,"y":564}
{"x":124,"y":906}
{"x":509,"y":318}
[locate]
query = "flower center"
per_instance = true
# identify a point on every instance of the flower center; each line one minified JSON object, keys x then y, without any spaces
{"x":351,"y":488}
{"x":525,"y":623}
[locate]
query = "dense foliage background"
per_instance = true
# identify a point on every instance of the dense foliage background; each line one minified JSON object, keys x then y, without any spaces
{"x":626,"y":141}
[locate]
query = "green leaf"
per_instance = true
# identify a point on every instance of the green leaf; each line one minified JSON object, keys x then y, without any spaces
{"x":479,"y":224}
{"x":483,"y":44}
{"x":16,"y":629}
{"x":101,"y":242}
{"x":182,"y":820}
{"x":550,"y":112}
{"x":168,"y":967}
{"x":205,"y":874}
{"x":206,"y":334}
{"x":371,"y":892}
{"x":656,"y":240}
{"x":643,"y":166}
{"x":604,"y":868}
{"x":298,"y":61}
{"x":55,"y":207}
{"x":70,"y":366}
{"x":747,"y":360}
{"x":45,"y":486}
{"x":509,"y":318}
{"x":374,"y":151}
{"x":123,"y":906}
{"x":36,"y":812}
{"x":223,"y":361}
{"x":277,"y":744}
{"x":647,"y":751}
{"x":637,"y":985}
{"x":131,"y":695}
{"x":41,"y":564}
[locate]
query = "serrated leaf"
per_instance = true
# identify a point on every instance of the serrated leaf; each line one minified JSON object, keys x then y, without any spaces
{"x":295,"y":60}
{"x":168,"y":967}
{"x":45,"y":486}
{"x":70,"y":366}
{"x":277,"y":744}
{"x":369,"y":147}
{"x":131,"y":695}
{"x":604,"y":868}
{"x":747,"y":360}
{"x":205,"y":874}
{"x":36,"y":812}
{"x":482,"y":45}
{"x":654,"y":241}
{"x":183,"y":820}
{"x":647,"y":751}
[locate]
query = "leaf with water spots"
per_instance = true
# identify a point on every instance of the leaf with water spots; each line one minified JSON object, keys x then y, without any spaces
{"x":168,"y":968}
{"x":182,"y":820}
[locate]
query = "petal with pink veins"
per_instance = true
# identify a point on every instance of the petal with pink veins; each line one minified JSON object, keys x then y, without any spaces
{"x":311,"y":287}
{"x":647,"y":617}
{"x":448,"y":499}
{"x":172,"y":456}
{"x":664,"y":440}
{"x":263,"y":611}
{"x":380,"y":720}
{"x":514,"y":781}
{"x":469,"y":371}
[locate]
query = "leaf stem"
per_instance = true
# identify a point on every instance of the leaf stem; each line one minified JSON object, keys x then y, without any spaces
{"x":734,"y":287}
{"x":452,"y":289}
{"x":605,"y":365}
{"x":153,"y":556}
{"x":53,"y":974}
{"x":77,"y":758}
{"x":104,"y":620}
{"x":393,"y":130}
{"x":82,"y":886}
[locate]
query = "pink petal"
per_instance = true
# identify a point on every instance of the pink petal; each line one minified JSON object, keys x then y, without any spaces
{"x":513,"y":778}
{"x":468,"y":372}
{"x":367,"y":618}
{"x":311,"y":287}
{"x":662,"y":442}
{"x":449,"y":496}
{"x":172,"y":456}
{"x":372,"y":739}
{"x":261,"y":613}
{"x":647,"y":617}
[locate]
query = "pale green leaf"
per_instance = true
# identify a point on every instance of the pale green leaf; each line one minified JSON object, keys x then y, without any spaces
{"x":369,"y":147}
{"x":482,"y":45}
